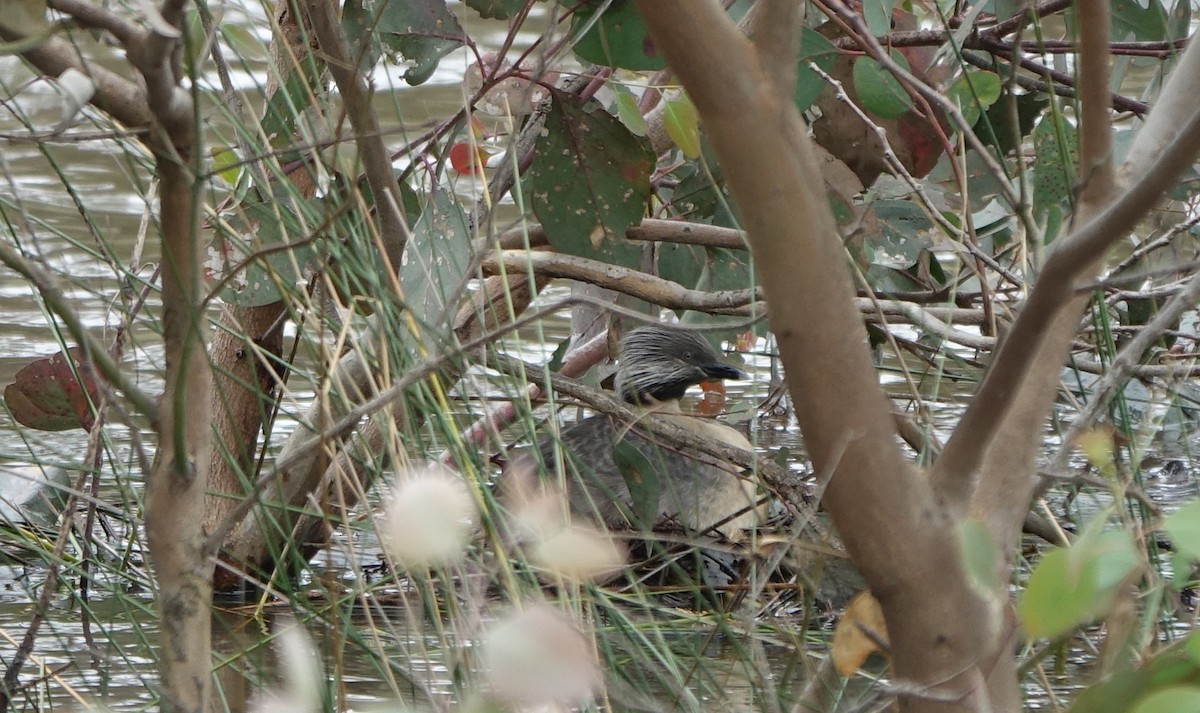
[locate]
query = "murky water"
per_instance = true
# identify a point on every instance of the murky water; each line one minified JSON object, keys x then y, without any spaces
{"x":99,"y":648}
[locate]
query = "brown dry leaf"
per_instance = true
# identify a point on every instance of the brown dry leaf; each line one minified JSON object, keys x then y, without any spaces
{"x":840,"y":130}
{"x":859,"y":634}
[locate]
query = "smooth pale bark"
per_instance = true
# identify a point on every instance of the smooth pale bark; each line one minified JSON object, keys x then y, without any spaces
{"x":175,"y":487}
{"x":951,"y":644}
{"x":945,"y":636}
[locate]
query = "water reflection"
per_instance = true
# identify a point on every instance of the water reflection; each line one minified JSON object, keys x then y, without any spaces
{"x":105,"y":642}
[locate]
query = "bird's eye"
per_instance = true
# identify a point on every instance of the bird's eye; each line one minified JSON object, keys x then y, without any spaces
{"x":687,"y":355}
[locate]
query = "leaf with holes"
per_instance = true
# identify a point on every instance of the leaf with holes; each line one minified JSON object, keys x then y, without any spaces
{"x":274,"y":232}
{"x":1138,"y":20}
{"x":436,"y":258}
{"x":419,"y":32}
{"x":289,"y":102}
{"x":589,"y":181}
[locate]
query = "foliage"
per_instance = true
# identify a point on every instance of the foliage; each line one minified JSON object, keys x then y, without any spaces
{"x":941,"y":248}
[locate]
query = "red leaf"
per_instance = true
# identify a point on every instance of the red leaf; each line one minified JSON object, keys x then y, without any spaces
{"x":465,"y":161}
{"x":47,"y":395}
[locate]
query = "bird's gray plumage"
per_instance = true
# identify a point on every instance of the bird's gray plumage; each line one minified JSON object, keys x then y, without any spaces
{"x":656,"y":366}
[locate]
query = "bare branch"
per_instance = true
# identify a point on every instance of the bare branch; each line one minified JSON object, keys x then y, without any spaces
{"x":636,"y":283}
{"x":1124,"y":365}
{"x":1174,"y":106}
{"x":371,"y":149}
{"x":92,"y":15}
{"x":883,"y":507}
{"x":1050,"y":316}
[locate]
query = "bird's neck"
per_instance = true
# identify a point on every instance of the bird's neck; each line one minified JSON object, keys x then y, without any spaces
{"x":667,"y":406}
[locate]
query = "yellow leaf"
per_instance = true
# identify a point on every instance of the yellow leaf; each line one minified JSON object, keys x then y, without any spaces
{"x":859,"y":633}
{"x":1097,"y":446}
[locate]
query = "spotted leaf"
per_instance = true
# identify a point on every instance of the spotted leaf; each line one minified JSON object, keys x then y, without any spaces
{"x":590,"y":180}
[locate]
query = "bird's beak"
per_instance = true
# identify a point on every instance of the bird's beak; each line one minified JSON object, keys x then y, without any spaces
{"x":723,"y":371}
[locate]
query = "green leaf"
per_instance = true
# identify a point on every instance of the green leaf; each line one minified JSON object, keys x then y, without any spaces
{"x":994,"y":127}
{"x":1056,"y":152}
{"x":1181,"y":568}
{"x":589,"y":181}
{"x":617,"y":39}
{"x":226,"y":163}
{"x":1120,"y":693}
{"x":682,"y":123}
{"x":1071,"y":587}
{"x":434,"y":265}
{"x":1178,"y":699}
{"x":418,"y":32}
{"x":729,"y":269}
{"x":681,"y":263}
{"x":244,"y":42}
{"x":261,"y":227}
{"x":1134,"y":20}
{"x":641,"y":478}
{"x":1183,"y":526}
{"x":878,"y":14}
{"x":702,"y":268}
{"x":905,"y":229}
{"x":974,"y":92}
{"x":496,"y":9}
{"x":879,"y":92}
{"x":628,"y":111}
{"x":556,"y":359}
{"x":814,"y":49}
{"x":290,"y":101}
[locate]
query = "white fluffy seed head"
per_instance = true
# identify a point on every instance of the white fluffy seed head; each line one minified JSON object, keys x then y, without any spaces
{"x":537,"y":656}
{"x":429,"y":520}
{"x":579,"y":553}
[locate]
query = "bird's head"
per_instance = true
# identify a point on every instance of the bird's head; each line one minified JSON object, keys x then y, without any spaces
{"x":659,"y":364}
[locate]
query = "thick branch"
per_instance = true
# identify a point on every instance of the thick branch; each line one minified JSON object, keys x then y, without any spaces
{"x":882,"y":507}
{"x":1095,"y":136}
{"x":775,"y":32}
{"x":115,"y":95}
{"x":91,"y":15}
